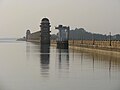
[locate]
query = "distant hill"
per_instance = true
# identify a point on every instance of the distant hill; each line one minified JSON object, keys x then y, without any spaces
{"x":81,"y":34}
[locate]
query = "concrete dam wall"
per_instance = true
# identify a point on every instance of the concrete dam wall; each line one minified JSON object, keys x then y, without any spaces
{"x":33,"y":37}
{"x":104,"y":45}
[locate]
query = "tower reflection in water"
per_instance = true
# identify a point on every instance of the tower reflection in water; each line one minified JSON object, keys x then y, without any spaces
{"x":63,"y":56}
{"x":44,"y":59}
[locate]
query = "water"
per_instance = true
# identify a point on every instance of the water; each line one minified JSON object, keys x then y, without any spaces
{"x":25,"y":66}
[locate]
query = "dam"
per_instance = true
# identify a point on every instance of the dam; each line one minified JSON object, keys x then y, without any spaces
{"x":39,"y":65}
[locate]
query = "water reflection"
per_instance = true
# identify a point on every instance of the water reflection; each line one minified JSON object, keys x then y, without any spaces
{"x":32,"y":49}
{"x":27,"y":50}
{"x":50,"y":67}
{"x":41,"y":52}
{"x":93,"y":58}
{"x":27,"y":47}
{"x":44,"y":59}
{"x":63,"y":57}
{"x":108,"y":63}
{"x":81,"y":60}
{"x":104,"y":62}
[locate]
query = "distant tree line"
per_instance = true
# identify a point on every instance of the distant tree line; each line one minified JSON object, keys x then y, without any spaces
{"x":81,"y":34}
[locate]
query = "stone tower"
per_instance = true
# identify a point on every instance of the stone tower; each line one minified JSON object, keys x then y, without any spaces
{"x":27,"y":34}
{"x":45,"y":31}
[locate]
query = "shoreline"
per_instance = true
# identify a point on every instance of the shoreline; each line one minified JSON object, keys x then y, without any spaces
{"x":89,"y":49}
{"x":97,"y":51}
{"x":94,"y":50}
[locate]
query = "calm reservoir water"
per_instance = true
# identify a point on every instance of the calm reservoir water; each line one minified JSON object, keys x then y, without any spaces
{"x":27,"y":66}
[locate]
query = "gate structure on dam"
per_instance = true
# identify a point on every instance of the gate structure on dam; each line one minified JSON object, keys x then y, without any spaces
{"x":63,"y":37}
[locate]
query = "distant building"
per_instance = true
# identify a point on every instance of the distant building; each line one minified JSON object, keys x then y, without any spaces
{"x":35,"y":36}
{"x":27,"y":34}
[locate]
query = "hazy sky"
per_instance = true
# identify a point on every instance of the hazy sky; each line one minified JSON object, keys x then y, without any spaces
{"x":100,"y":16}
